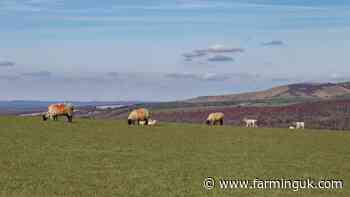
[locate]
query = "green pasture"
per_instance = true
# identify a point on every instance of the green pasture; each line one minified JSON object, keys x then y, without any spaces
{"x":110,"y":158}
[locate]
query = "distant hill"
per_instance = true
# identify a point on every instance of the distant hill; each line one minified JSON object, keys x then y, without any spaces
{"x":307,"y":91}
{"x":27,"y":106}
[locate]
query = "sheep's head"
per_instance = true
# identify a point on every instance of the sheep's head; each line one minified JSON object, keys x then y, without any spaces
{"x":129,"y":121}
{"x":207,"y":122}
{"x":44,"y":116}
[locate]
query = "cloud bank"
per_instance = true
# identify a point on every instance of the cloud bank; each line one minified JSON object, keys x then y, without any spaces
{"x":6,"y":64}
{"x":273,"y":43}
{"x":38,"y":74}
{"x":216,"y":53}
{"x":220,"y":58}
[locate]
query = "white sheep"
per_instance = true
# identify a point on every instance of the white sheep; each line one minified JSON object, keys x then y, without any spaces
{"x":152,"y":122}
{"x":250,"y":122}
{"x":300,"y":125}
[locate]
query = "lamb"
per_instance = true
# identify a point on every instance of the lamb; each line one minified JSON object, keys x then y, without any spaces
{"x":300,"y":125}
{"x":142,"y":122}
{"x":250,"y":122}
{"x":152,"y":122}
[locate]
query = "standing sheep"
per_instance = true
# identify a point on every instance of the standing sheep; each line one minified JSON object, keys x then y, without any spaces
{"x":138,"y":115}
{"x":61,"y":109}
{"x":299,"y":125}
{"x":250,"y":122}
{"x":213,"y":118}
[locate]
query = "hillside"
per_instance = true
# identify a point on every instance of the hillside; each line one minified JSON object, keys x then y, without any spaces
{"x":326,"y":114}
{"x":307,"y":91}
{"x":334,"y":115}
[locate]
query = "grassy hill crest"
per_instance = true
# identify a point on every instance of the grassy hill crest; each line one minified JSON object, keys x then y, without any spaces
{"x":321,"y":91}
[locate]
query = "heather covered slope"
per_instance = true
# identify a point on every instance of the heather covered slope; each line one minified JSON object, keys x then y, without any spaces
{"x":326,"y":114}
{"x":333,"y":114}
{"x":305,"y":91}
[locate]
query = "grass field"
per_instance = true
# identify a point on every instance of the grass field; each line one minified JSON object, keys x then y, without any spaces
{"x":109,"y":158}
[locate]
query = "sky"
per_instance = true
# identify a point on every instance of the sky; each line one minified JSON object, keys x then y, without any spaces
{"x":160,"y":50}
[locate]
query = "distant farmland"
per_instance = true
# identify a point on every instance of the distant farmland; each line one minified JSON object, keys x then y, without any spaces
{"x":109,"y":158}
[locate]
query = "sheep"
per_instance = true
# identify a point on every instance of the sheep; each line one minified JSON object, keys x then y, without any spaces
{"x":152,"y":122}
{"x":60,"y":109}
{"x":299,"y":125}
{"x":213,"y":118}
{"x":138,"y":115}
{"x":291,"y":127}
{"x":250,"y":122}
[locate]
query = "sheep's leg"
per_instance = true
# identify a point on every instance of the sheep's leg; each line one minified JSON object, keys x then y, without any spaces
{"x":70,"y":118}
{"x":146,"y":122}
{"x":221,"y":122}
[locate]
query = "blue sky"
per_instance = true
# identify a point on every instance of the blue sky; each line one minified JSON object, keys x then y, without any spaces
{"x":167,"y":50}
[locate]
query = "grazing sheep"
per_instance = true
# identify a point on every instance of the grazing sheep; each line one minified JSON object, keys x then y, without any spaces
{"x":213,"y":118}
{"x":60,"y":109}
{"x":250,"y":122}
{"x":299,"y":125}
{"x":138,"y":115}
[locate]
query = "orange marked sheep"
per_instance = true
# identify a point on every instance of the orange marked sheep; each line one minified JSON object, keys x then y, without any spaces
{"x":138,"y":115}
{"x":61,"y":109}
{"x":213,"y":118}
